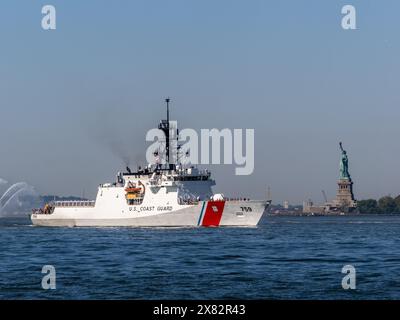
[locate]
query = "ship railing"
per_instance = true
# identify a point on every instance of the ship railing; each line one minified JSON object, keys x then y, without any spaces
{"x":48,"y":210}
{"x":135,"y":202}
{"x":188,"y":202}
{"x":74,"y":203}
{"x":204,"y":172}
{"x":199,"y":176}
{"x":111,"y":185}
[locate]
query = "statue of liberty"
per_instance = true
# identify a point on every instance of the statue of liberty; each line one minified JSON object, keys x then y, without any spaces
{"x":344,"y":164}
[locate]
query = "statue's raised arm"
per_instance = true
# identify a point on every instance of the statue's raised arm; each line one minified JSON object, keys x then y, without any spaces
{"x":341,"y":147}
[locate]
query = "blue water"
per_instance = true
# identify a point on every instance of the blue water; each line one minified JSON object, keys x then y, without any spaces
{"x":283,"y":258}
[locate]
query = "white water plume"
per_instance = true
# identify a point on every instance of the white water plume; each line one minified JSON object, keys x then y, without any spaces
{"x":11,"y":201}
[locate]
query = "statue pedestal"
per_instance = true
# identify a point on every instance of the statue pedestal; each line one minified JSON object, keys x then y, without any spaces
{"x":345,"y":196}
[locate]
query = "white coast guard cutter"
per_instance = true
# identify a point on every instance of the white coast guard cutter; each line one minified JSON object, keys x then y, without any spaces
{"x":167,"y":195}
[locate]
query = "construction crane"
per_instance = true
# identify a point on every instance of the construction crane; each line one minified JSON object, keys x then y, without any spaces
{"x":269,"y":193}
{"x":324,"y":195}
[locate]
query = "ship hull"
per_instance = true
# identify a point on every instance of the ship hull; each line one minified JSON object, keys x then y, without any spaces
{"x":204,"y":214}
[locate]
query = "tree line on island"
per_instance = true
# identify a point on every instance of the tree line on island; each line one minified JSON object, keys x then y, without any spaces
{"x":386,"y":204}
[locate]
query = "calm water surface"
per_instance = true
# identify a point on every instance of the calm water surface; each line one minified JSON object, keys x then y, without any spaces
{"x":283,"y":258}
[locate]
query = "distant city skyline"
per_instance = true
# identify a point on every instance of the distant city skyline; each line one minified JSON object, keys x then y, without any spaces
{"x":76,"y":102}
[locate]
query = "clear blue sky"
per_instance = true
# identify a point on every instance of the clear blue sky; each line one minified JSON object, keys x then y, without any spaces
{"x":71,"y":99}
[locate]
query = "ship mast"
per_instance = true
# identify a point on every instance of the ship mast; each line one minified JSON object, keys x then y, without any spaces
{"x":167,"y":135}
{"x":164,"y":127}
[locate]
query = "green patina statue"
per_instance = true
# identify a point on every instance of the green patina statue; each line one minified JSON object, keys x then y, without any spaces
{"x":344,"y":164}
